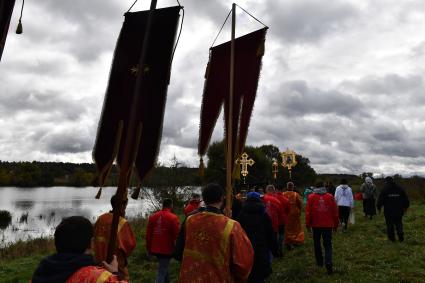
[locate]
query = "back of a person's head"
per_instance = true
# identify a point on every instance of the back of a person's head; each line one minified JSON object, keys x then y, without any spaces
{"x":290,"y":186}
{"x":114,"y":201}
{"x":196,"y":196}
{"x":270,"y":189}
{"x":212,"y":193}
{"x":389,"y":180}
{"x":73,"y":235}
{"x":319,"y":184}
{"x":344,"y":182}
{"x":167,"y":203}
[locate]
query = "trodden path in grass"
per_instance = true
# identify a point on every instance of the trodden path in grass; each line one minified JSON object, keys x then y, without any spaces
{"x":362,"y":254}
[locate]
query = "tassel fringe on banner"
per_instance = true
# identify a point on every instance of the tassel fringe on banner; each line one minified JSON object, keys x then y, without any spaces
{"x":19,"y":28}
{"x":201,"y":168}
{"x":99,"y":193}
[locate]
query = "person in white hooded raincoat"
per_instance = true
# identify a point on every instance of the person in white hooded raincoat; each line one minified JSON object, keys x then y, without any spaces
{"x":344,"y":200}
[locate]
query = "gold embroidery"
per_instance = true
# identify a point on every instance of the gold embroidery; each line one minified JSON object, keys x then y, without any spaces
{"x":121,"y":224}
{"x":226,"y":234}
{"x":103,"y":277}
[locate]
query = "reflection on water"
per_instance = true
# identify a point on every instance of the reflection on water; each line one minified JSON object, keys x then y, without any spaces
{"x":37,"y":211}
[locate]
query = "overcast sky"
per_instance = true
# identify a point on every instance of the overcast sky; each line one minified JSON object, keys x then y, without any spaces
{"x":342,"y":81}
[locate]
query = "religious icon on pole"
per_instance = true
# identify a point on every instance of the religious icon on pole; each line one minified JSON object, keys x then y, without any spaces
{"x":244,"y":162}
{"x":289,"y":160}
{"x":275,"y":166}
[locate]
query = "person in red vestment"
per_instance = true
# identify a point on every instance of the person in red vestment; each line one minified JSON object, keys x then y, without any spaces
{"x":73,"y":262}
{"x":285,"y":207}
{"x":161,"y":235}
{"x":211,"y":246}
{"x":274,"y":209}
{"x":321,"y":215}
{"x":294,"y":233}
{"x":193,"y":204}
{"x":126,"y":241}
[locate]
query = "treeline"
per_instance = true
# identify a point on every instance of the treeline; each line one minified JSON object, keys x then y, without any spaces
{"x":46,"y":174}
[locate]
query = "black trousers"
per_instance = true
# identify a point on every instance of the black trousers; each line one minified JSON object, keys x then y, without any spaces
{"x":344,"y":213}
{"x":326,"y":235}
{"x":394,"y":221}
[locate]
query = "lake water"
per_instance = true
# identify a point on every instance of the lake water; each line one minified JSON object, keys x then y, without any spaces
{"x":37,"y":211}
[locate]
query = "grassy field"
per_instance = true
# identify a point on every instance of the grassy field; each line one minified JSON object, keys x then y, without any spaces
{"x":363,"y":254}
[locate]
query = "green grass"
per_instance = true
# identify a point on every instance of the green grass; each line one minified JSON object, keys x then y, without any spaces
{"x":363,"y":254}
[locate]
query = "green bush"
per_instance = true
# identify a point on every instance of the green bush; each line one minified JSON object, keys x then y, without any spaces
{"x":5,"y":219}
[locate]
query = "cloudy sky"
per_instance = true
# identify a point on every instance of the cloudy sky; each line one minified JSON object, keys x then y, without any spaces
{"x":342,"y":81}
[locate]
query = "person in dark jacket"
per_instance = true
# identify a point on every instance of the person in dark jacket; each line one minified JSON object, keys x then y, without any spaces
{"x":73,"y":262}
{"x":258,"y":227}
{"x":395,"y":202}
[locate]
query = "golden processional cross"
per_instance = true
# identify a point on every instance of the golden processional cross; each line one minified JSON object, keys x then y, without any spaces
{"x":275,"y":166}
{"x":244,"y":162}
{"x":289,"y":160}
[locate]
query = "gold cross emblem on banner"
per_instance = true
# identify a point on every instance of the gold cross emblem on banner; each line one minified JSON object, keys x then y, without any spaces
{"x":244,"y":162}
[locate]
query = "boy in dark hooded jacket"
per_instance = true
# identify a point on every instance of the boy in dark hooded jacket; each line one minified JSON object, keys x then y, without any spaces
{"x":395,"y":202}
{"x":258,"y":227}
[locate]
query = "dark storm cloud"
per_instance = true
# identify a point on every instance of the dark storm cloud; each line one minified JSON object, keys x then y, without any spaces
{"x":308,"y":20}
{"x":67,"y":141}
{"x":298,"y":98}
{"x":50,"y":104}
{"x":389,"y":84}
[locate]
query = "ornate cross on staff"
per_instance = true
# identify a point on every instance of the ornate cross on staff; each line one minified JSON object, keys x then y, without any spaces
{"x":275,"y":168}
{"x":244,"y":162}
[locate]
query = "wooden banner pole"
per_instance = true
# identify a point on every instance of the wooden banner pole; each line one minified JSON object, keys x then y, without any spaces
{"x":130,"y":148}
{"x":230,"y":161}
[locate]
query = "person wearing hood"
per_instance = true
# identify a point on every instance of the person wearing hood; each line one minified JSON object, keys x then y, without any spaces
{"x":345,"y":201}
{"x":368,"y":190}
{"x":193,"y":204}
{"x":395,"y":202}
{"x":258,"y":227}
{"x":73,"y":262}
{"x":321,"y":215}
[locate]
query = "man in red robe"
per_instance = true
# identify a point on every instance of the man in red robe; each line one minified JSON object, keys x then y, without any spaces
{"x":126,"y":241}
{"x":213,"y":247}
{"x":321,"y":215}
{"x":294,"y":233}
{"x":73,"y":262}
{"x":274,"y":209}
{"x":161,"y":235}
{"x":193,"y":204}
{"x":285,"y":207}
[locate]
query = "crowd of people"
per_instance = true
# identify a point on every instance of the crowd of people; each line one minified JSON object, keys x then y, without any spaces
{"x":214,"y":247}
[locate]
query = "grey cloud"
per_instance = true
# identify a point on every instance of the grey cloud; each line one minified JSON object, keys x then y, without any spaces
{"x":298,"y":98}
{"x":309,"y":21}
{"x":45,"y":103}
{"x":67,"y":141}
{"x":389,"y":84}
